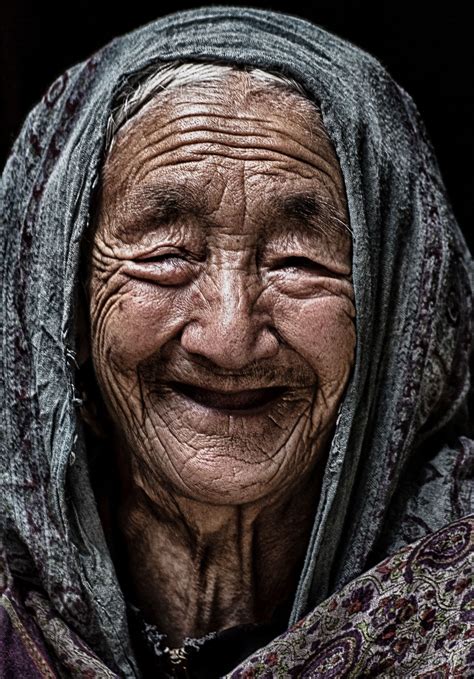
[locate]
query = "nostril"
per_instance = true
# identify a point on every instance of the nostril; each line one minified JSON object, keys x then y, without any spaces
{"x":275,"y":334}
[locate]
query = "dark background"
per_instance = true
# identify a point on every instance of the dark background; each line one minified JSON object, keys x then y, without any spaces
{"x":426,"y":48}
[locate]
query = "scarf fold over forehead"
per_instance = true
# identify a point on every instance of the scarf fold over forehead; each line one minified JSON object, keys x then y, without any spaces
{"x":401,"y":457}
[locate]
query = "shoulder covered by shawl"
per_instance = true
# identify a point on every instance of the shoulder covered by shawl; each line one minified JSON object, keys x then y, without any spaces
{"x":411,"y":615}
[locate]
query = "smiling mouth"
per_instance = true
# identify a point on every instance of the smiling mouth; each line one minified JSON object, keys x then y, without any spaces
{"x":241,"y":402}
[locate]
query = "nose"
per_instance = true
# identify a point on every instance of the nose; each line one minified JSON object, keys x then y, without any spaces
{"x":227,"y":328}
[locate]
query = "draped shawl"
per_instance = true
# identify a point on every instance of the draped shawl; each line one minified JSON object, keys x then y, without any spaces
{"x":400,"y":461}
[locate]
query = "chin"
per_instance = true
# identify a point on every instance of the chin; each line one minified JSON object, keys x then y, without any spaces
{"x":227,"y":474}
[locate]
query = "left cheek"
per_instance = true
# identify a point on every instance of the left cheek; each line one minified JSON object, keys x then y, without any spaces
{"x":322,"y":332}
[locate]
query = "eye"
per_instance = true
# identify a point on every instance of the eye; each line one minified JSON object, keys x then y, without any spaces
{"x":168,"y":269}
{"x":303,"y":263}
{"x":170,"y":258}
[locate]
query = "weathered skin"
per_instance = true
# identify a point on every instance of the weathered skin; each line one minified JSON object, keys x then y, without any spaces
{"x":219,"y":262}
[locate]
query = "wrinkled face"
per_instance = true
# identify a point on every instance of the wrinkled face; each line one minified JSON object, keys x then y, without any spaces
{"x":221,"y":304}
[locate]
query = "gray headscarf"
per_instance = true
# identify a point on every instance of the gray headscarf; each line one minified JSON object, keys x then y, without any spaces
{"x":400,"y":461}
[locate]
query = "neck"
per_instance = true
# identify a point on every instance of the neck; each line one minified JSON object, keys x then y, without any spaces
{"x":194,"y":568}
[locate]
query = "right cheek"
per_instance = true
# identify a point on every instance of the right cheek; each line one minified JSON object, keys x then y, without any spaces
{"x":134,"y":324}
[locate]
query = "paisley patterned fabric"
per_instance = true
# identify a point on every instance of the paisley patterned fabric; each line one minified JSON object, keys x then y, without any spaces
{"x":410,"y":616}
{"x":400,"y":464}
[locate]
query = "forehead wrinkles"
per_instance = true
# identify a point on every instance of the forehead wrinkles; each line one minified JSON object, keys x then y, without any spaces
{"x":162,"y":133}
{"x":239,"y":92}
{"x":228,"y":110}
{"x":197,"y":124}
{"x":193,"y":138}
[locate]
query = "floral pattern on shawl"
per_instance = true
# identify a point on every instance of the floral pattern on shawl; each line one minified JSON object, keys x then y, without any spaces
{"x":410,"y":616}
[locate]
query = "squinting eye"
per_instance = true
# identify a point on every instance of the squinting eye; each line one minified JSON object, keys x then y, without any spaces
{"x":301,"y":263}
{"x":169,"y":269}
{"x":163,"y":259}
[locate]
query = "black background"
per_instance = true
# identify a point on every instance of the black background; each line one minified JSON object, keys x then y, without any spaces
{"x":427,"y":48}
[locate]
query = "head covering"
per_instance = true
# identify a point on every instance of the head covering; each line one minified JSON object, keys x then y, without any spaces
{"x":401,"y":458}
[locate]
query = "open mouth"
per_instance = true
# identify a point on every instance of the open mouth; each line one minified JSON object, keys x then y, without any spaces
{"x":241,"y":401}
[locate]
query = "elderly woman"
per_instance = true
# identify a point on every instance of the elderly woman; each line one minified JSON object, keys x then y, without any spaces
{"x":236,"y":343}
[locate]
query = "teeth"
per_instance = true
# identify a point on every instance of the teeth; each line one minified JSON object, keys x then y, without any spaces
{"x":241,"y":400}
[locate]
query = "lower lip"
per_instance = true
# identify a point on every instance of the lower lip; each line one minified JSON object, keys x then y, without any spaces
{"x":197,"y":398}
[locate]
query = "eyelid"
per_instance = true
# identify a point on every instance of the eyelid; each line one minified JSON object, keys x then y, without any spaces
{"x":168,"y":269}
{"x":162,"y":257}
{"x":325,"y":266}
{"x":300,"y":259}
{"x":162,"y":252}
{"x":298,"y":262}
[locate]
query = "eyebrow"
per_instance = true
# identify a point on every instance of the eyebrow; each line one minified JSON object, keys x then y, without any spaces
{"x":300,"y":206}
{"x":149,"y":208}
{"x":308,"y":209}
{"x":165,"y":203}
